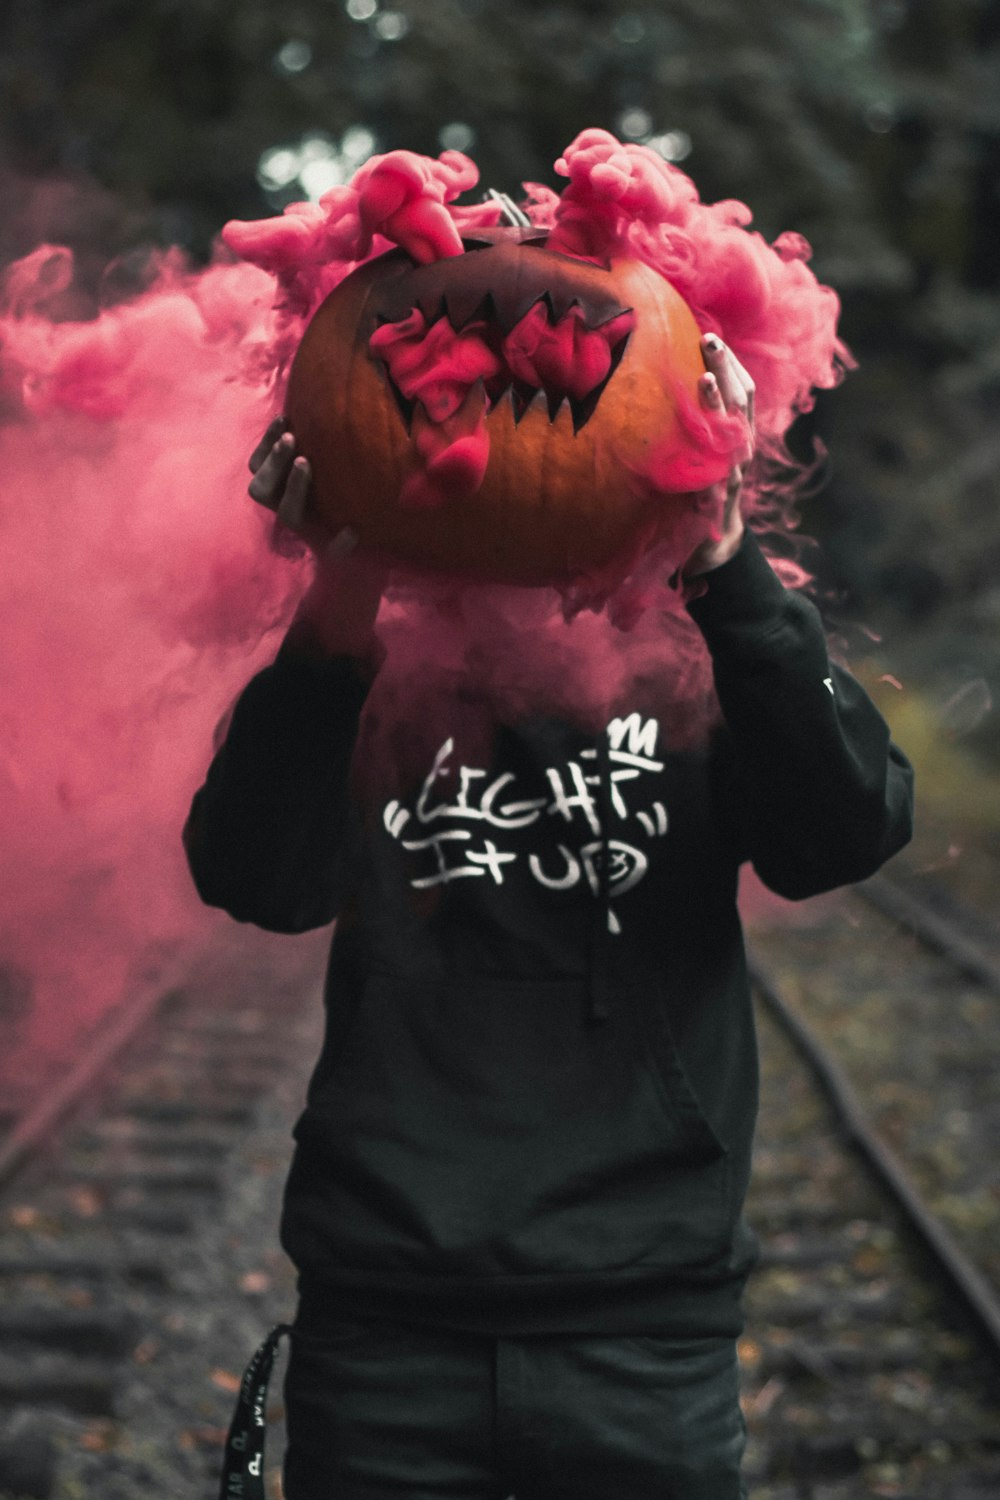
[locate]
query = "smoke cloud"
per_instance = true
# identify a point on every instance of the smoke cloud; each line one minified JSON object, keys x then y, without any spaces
{"x":139,"y":591}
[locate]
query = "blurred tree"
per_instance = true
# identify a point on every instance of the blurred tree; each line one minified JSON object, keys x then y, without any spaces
{"x":872,"y":126}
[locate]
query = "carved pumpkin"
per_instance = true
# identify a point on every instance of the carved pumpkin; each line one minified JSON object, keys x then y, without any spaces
{"x":493,"y":413}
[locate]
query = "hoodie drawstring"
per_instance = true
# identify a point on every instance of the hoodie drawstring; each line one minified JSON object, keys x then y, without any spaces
{"x":600,"y":967}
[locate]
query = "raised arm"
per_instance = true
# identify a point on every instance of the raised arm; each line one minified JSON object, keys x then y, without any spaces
{"x":813,"y":788}
{"x":817,"y":794}
{"x":270,"y":835}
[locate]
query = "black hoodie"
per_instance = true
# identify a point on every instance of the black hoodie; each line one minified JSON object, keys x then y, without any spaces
{"x":534,"y":1107}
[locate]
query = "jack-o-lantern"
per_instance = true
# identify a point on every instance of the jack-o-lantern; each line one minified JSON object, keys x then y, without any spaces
{"x":497,"y":413}
{"x":521,"y":403}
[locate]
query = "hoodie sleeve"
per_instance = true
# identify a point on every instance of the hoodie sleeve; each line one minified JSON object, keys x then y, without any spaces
{"x":268,"y":834}
{"x":812,"y":786}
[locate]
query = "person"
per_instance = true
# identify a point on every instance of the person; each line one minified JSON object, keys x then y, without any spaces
{"x":515,"y":1203}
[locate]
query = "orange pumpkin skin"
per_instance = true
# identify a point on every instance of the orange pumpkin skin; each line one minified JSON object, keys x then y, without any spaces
{"x":555,"y":503}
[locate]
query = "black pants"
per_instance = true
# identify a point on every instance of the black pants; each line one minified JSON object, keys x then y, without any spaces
{"x":381,"y":1410}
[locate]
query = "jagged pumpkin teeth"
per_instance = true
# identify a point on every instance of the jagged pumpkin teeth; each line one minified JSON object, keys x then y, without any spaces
{"x":500,"y":283}
{"x":437,"y":365}
{"x":438,"y":368}
{"x":566,"y":357}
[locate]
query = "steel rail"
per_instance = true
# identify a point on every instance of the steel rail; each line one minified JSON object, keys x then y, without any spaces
{"x":966,"y":1280}
{"x":939,"y":933}
{"x":37,"y":1123}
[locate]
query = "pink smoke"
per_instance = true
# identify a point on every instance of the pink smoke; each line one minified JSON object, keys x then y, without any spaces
{"x":139,"y":591}
{"x":141,"y":587}
{"x":762,"y":299}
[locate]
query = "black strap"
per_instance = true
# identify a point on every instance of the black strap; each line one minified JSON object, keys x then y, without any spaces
{"x":243,"y":1466}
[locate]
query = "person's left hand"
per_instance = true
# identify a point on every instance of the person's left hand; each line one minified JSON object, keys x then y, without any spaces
{"x":725,"y":386}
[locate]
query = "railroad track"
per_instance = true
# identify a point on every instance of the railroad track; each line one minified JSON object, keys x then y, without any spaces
{"x":872,"y":1356}
{"x":136,"y":1276}
{"x":111,"y":1188}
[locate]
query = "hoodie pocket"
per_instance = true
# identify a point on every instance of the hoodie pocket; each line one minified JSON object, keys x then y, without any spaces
{"x":677,"y":1093}
{"x":492,"y":1128}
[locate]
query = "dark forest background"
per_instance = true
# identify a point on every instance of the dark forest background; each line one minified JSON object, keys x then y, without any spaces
{"x":871,"y":126}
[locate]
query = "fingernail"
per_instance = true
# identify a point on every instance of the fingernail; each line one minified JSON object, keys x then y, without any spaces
{"x":712,"y":342}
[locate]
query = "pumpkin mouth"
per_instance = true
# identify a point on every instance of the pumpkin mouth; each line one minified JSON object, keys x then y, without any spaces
{"x":550,"y":357}
{"x":506,"y":325}
{"x":538,"y":327}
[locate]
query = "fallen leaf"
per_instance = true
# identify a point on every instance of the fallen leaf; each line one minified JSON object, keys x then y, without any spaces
{"x":99,"y":1437}
{"x":202,"y":1437}
{"x":86,"y":1201}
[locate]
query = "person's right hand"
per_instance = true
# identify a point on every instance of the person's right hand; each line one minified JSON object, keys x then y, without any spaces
{"x":343,"y":600}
